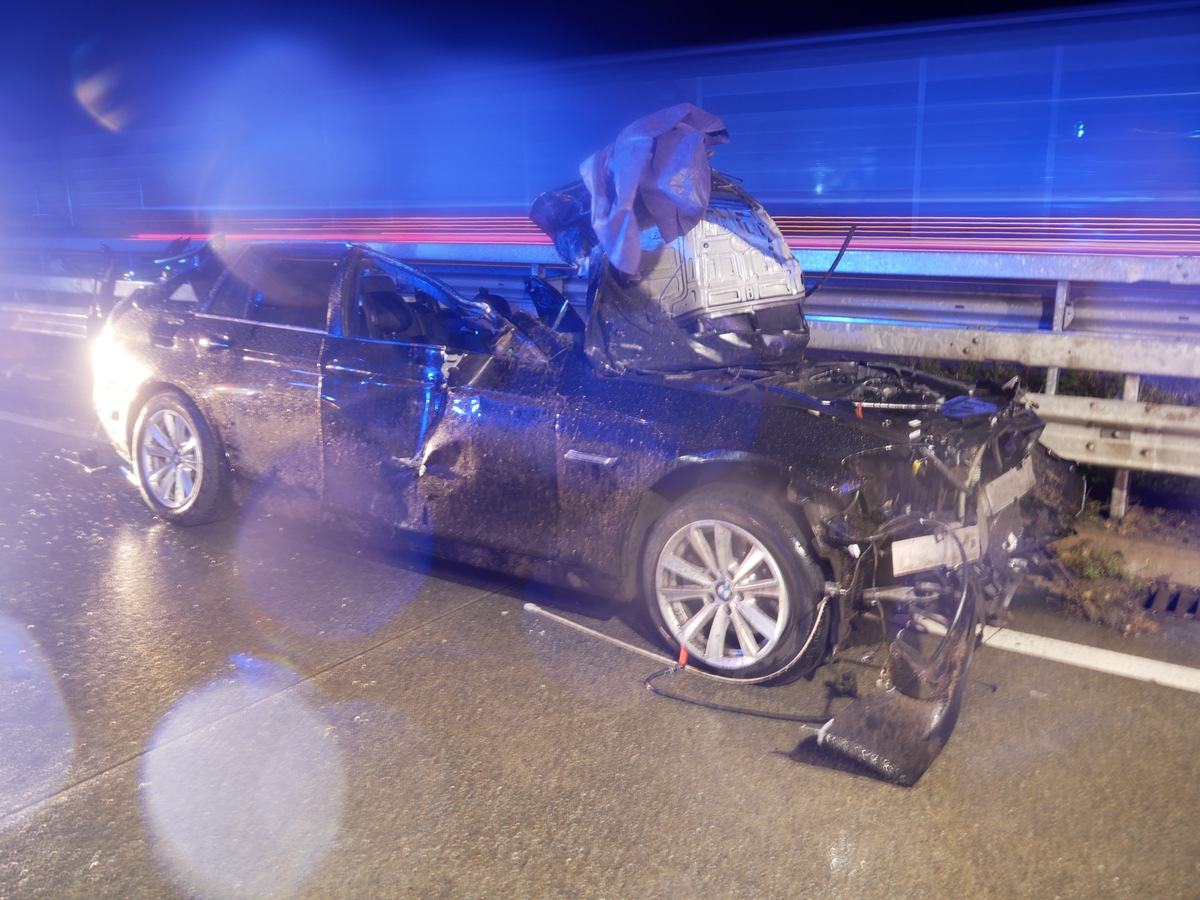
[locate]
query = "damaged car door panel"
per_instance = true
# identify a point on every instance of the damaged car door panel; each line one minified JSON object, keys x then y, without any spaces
{"x":674,"y":444}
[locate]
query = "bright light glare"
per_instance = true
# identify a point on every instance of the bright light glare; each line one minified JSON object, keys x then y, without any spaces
{"x":243,"y":784}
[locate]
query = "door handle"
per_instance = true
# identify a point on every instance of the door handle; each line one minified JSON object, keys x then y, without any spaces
{"x":355,"y":368}
{"x":214,"y":342}
{"x":595,"y":459}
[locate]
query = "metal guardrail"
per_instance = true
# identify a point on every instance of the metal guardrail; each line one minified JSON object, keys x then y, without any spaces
{"x":1133,"y":316}
{"x":1122,"y":434}
{"x":37,"y":320}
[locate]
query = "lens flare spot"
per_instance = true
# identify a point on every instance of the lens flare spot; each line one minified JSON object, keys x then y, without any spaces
{"x":37,"y":737}
{"x":97,"y":94}
{"x":243,"y":784}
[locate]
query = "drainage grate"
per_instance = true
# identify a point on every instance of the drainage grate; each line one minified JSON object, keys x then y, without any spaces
{"x":1174,"y":600}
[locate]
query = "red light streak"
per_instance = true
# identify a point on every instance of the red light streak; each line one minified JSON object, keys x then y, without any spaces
{"x":1085,"y":235}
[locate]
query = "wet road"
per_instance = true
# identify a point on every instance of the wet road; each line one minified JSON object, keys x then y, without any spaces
{"x":257,"y":709}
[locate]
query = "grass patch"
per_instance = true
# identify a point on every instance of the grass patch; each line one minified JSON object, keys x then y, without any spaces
{"x":1093,"y":563}
{"x":1094,"y":583}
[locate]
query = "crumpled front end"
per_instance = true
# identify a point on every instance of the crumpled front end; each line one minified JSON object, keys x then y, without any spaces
{"x":687,"y":271}
{"x":688,"y":274}
{"x":928,"y":528}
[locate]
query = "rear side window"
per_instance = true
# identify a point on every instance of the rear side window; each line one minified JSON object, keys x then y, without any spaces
{"x":293,"y":292}
{"x":232,"y":296}
{"x":267,"y":286}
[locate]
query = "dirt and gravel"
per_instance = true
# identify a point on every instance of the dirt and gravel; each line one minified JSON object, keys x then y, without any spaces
{"x":1128,"y":574}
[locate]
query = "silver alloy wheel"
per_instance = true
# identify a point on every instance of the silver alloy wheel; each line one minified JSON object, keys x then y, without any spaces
{"x":722,"y":594}
{"x":170,"y":459}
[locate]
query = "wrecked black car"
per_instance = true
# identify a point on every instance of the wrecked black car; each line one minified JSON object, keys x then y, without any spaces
{"x":669,"y":441}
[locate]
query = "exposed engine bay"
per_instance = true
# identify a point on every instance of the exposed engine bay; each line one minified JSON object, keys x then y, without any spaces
{"x":925,"y":524}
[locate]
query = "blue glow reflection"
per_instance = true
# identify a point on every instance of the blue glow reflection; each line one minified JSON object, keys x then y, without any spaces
{"x":983,"y":117}
{"x":467,"y":407}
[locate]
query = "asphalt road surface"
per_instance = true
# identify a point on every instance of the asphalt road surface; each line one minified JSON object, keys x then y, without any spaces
{"x":257,"y":708}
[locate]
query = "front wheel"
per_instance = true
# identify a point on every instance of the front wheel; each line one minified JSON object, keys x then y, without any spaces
{"x":729,"y":576}
{"x":180,"y":469}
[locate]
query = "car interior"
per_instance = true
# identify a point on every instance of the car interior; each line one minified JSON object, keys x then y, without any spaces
{"x":387,"y":311}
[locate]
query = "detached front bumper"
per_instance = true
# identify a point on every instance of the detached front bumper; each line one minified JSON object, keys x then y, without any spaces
{"x":900,"y":729}
{"x":948,"y":548}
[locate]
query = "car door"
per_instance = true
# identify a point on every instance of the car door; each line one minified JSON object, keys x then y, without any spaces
{"x":435,"y":421}
{"x":258,"y":341}
{"x":490,"y":475}
{"x":379,"y":402}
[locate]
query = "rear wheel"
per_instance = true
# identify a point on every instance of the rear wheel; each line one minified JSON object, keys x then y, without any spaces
{"x":180,"y":469}
{"x":729,"y":576}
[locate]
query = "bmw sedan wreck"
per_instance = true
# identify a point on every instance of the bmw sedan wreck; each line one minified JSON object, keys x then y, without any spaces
{"x":672,"y":444}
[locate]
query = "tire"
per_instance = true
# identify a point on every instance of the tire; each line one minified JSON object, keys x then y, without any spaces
{"x":181,"y":471}
{"x":728,"y":574}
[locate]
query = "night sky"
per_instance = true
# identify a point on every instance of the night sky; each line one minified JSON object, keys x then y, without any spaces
{"x":141,"y":57}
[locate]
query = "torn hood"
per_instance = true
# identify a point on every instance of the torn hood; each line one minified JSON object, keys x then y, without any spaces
{"x":687,"y":270}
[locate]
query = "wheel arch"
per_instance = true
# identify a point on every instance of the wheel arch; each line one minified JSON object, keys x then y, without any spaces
{"x":755,"y":498}
{"x":153,"y":388}
{"x":732,"y":468}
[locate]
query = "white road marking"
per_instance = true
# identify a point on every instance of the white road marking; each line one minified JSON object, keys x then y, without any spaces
{"x":1109,"y":662}
{"x":1185,"y":678}
{"x":47,"y":425}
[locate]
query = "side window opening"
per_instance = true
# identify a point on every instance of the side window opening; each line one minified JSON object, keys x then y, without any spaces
{"x":293,"y":292}
{"x":266,"y":287}
{"x":232,"y":296}
{"x":389,"y":306}
{"x":394,"y":304}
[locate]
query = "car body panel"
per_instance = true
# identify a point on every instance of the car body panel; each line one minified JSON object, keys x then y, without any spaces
{"x":489,"y":474}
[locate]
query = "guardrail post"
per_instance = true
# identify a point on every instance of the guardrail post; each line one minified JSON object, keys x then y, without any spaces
{"x":1118,"y":503}
{"x":1061,"y":320}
